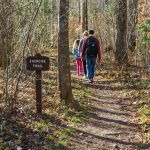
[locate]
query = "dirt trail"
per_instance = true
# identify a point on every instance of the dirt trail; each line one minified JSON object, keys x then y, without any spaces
{"x":110,"y":125}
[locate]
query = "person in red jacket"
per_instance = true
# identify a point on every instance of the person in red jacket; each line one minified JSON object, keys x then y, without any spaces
{"x":90,"y":51}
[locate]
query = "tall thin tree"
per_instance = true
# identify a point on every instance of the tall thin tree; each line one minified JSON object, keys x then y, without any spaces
{"x":63,"y":53}
{"x":132,"y":20}
{"x":121,"y":39}
{"x":79,"y":5}
{"x":84,"y":15}
{"x":52,"y":28}
{"x":6,"y":31}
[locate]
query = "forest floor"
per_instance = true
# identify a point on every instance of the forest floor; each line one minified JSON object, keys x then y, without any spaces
{"x":111,"y":119}
{"x":108,"y":118}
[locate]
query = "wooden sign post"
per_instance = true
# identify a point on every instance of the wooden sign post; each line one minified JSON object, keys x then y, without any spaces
{"x":38,"y":63}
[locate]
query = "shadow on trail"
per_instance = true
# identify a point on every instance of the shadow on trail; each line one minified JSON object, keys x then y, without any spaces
{"x":105,"y":100}
{"x":117,"y":88}
{"x":112,"y":140}
{"x":120,"y":122}
{"x":106,"y":138}
{"x":108,"y":112}
{"x":101,"y":85}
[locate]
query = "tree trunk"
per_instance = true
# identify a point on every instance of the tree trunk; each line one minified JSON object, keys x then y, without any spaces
{"x":102,"y":4}
{"x":79,"y":5}
{"x":121,"y":39}
{"x":63,"y":54}
{"x":52,"y":27}
{"x":6,"y":31}
{"x":84,"y":15}
{"x":132,"y":19}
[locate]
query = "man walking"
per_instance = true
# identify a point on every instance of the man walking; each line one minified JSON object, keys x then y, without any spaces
{"x":90,"y":51}
{"x":85,"y":35}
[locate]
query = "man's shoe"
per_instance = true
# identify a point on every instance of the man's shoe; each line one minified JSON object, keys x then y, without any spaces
{"x":90,"y":80}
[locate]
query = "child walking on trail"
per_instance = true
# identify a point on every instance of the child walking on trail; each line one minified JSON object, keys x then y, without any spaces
{"x":85,"y":35}
{"x":77,"y":57}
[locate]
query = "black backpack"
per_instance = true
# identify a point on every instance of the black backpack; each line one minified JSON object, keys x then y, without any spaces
{"x":91,"y":49}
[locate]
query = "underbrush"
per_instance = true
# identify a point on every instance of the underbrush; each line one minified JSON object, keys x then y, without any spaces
{"x":22,"y":128}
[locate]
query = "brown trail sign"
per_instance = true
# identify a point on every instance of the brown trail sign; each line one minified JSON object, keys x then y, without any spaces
{"x":38,"y":63}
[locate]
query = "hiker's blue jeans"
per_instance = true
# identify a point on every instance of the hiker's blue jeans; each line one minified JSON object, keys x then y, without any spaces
{"x":90,"y":65}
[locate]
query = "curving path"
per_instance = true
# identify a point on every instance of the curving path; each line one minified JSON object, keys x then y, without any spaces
{"x":110,"y":125}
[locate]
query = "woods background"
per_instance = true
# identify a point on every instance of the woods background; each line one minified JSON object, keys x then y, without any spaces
{"x":29,"y":27}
